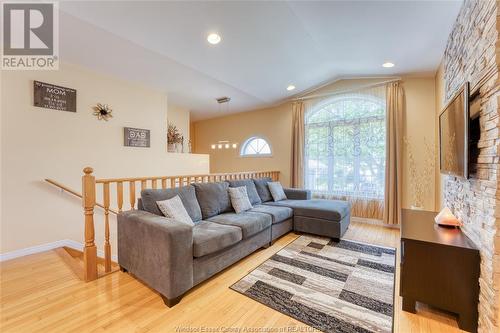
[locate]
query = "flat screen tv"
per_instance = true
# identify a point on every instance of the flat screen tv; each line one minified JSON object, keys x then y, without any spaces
{"x":454,"y":135}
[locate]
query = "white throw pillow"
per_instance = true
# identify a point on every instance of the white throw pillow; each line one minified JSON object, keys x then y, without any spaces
{"x":239,"y":199}
{"x":173,"y":208}
{"x":276,"y":191}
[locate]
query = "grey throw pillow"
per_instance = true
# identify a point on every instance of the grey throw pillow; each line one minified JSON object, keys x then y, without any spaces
{"x":173,"y":208}
{"x":253,"y":195}
{"x":276,"y":191}
{"x":239,"y":199}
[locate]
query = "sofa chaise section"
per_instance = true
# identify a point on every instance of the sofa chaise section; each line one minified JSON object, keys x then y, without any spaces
{"x":328,"y":218}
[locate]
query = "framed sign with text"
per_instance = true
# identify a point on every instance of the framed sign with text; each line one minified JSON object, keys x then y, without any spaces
{"x":49,"y":96}
{"x":136,"y":137}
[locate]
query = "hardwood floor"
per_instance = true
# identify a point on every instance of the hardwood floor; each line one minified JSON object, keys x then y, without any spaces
{"x":40,"y":293}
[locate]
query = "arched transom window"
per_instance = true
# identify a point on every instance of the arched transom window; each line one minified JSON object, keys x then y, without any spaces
{"x":255,"y":146}
{"x":345,"y":140}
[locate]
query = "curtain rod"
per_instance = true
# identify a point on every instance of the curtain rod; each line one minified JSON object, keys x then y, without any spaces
{"x":346,"y":90}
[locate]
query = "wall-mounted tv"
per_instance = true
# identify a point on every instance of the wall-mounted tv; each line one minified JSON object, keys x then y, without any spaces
{"x":454,"y":135}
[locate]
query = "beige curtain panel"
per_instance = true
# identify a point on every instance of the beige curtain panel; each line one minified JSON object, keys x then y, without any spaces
{"x":298,"y":129}
{"x":393,"y":166}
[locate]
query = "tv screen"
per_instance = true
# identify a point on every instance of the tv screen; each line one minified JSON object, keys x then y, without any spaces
{"x":454,"y":133}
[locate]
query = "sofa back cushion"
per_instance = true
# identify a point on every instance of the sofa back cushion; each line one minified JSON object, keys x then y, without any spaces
{"x":213,"y":198}
{"x":251,"y":189}
{"x":187,"y":194}
{"x":263,"y":189}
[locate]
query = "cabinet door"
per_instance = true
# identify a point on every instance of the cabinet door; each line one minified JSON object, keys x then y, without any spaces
{"x":431,"y":272}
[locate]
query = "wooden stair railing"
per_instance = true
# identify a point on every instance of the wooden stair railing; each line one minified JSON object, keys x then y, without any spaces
{"x":75,"y":193}
{"x":89,"y":184}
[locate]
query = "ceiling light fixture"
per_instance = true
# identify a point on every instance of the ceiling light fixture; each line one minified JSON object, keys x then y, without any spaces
{"x":214,"y":39}
{"x":290,"y":87}
{"x":223,"y":144}
{"x":387,"y":64}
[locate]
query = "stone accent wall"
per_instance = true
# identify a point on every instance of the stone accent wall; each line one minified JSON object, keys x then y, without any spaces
{"x":473,"y":54}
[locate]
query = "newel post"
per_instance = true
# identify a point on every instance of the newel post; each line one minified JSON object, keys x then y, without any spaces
{"x":90,"y":250}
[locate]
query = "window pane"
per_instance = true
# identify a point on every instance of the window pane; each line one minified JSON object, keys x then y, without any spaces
{"x":345,"y":146}
{"x":256,"y":146}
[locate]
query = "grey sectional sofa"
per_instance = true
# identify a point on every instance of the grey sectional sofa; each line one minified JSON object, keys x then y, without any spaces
{"x":173,"y":257}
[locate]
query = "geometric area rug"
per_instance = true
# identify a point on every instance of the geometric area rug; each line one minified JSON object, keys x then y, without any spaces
{"x":342,"y":286}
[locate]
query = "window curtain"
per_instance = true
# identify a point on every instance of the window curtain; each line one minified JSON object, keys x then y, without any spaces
{"x":345,"y":137}
{"x":393,"y":169}
{"x":297,"y":168}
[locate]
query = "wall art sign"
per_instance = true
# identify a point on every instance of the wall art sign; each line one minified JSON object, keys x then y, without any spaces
{"x":49,"y":96}
{"x":136,"y":137}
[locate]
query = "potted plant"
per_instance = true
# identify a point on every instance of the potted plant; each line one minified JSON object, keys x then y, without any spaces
{"x":173,"y":138}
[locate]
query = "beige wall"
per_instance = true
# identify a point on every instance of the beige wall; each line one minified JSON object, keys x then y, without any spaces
{"x":275,"y":124}
{"x":179,"y":116}
{"x":40,"y":143}
{"x":419,"y":126}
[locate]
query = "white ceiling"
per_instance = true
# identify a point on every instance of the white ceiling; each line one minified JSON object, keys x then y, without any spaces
{"x":265,"y":45}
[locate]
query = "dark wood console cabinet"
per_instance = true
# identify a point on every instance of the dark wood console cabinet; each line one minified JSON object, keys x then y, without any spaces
{"x":439,"y":267}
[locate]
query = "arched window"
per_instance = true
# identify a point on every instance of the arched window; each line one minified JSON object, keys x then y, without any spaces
{"x":255,"y":146}
{"x":345,"y":140}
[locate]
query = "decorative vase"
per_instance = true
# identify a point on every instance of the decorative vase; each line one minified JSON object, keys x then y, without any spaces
{"x":171,"y":147}
{"x":415,"y":207}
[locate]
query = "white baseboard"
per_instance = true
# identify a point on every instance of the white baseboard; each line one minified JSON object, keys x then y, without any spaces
{"x":47,"y":247}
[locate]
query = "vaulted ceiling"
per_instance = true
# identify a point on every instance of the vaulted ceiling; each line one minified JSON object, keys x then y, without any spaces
{"x":266,"y":45}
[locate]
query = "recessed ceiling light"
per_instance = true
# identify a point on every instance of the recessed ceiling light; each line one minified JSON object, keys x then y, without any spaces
{"x":290,"y":87}
{"x":214,"y":39}
{"x":387,"y":64}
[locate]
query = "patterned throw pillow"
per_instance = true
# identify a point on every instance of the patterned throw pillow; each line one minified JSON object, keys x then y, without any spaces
{"x":173,"y":208}
{"x":239,"y":199}
{"x":276,"y":191}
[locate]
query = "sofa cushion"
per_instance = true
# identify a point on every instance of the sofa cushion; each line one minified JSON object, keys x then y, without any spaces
{"x":277,"y":213}
{"x":263,"y":189}
{"x":249,"y":222}
{"x":251,"y":189}
{"x":213,"y":198}
{"x":209,"y":237}
{"x":187,"y":194}
{"x":333,"y":210}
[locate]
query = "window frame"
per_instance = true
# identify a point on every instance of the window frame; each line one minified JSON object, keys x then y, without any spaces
{"x":250,"y":139}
